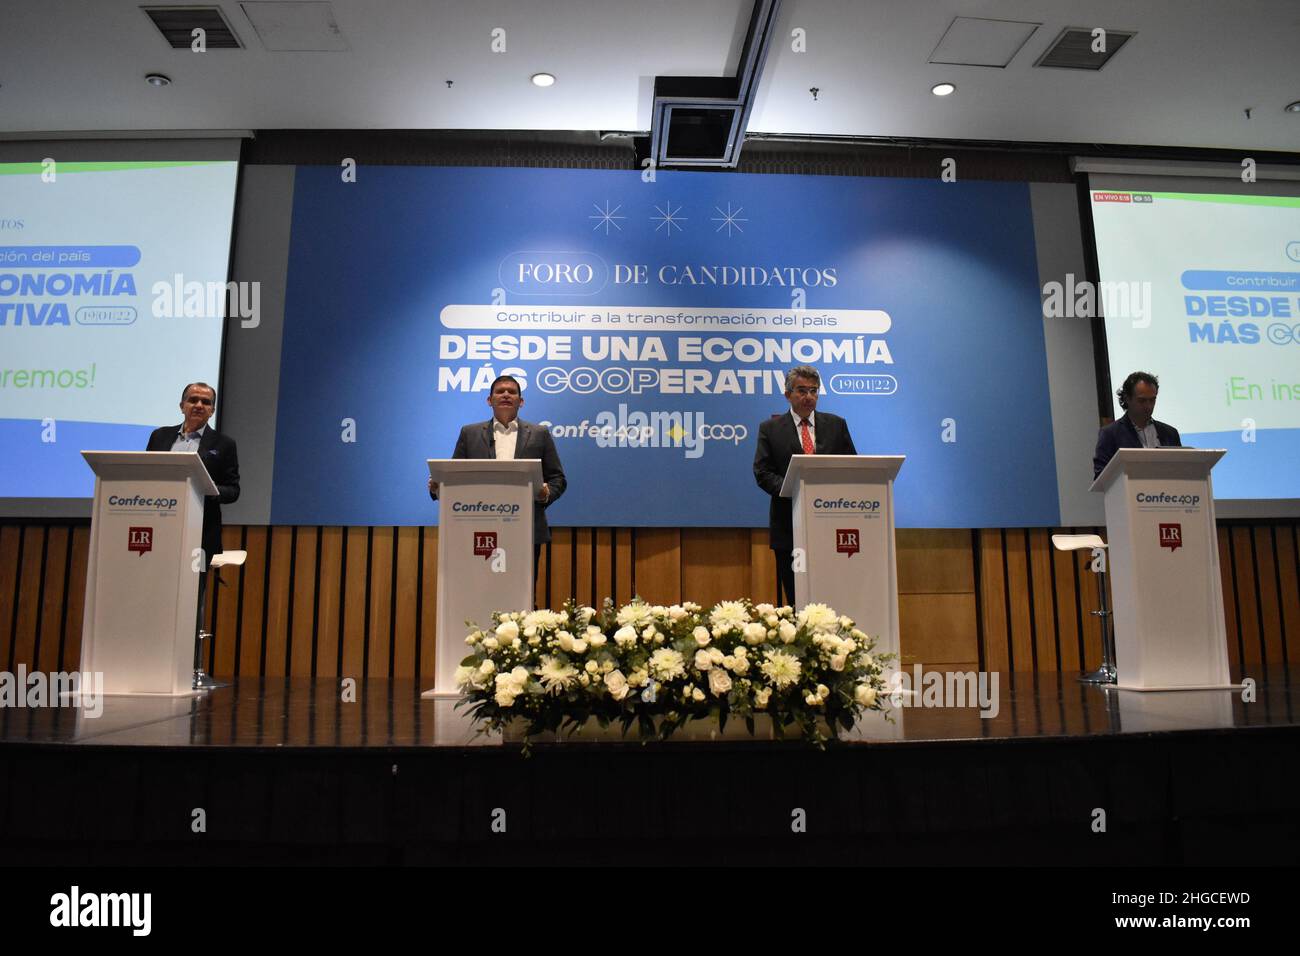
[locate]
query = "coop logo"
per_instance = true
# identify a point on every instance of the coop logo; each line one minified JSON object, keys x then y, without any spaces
{"x":142,"y":503}
{"x":1171,"y":536}
{"x":504,"y":508}
{"x":846,"y":541}
{"x":1165,"y":499}
{"x":139,"y":540}
{"x":485,"y":542}
{"x":840,"y":505}
{"x":627,"y":428}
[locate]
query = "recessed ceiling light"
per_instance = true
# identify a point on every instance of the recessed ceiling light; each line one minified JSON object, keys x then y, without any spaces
{"x":543,"y":79}
{"x":943,"y":89}
{"x":1292,"y":107}
{"x":157,"y":79}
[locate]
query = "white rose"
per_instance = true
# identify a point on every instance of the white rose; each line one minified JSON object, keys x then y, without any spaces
{"x":595,"y":638}
{"x":676,"y":612}
{"x":702,"y":636}
{"x":838,"y":661}
{"x":865,"y":695}
{"x":625,"y":635}
{"x":530,"y":630}
{"x":505,"y":698}
{"x":812,"y":700}
{"x":741,"y":651}
{"x":649,"y":634}
{"x":565,"y":640}
{"x":487,"y":668}
{"x":474,"y":637}
{"x":465,"y":675}
{"x":755,"y":633}
{"x":788,"y":632}
{"x":719,"y":682}
{"x":764,"y":609}
{"x":617,"y":684}
{"x":579,"y":646}
{"x":697,"y":694}
{"x":508,"y":631}
{"x":823,"y":691}
{"x":490,"y":643}
{"x":703,"y":660}
{"x":761,"y":697}
{"x":592,"y":667}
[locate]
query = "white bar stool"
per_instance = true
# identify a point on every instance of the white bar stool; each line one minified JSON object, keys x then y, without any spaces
{"x":1106,"y":674}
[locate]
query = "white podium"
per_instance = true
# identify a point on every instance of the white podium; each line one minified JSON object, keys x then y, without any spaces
{"x":142,"y":581}
{"x":485,"y":550}
{"x":1164,"y":562}
{"x":844,"y":524}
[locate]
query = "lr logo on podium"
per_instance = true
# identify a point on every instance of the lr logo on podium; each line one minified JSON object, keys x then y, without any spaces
{"x":485,"y":542}
{"x":846,"y":541}
{"x":1171,"y":536}
{"x":139,"y":540}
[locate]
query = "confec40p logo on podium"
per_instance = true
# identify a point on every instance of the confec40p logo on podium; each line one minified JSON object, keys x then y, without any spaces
{"x":1171,"y":536}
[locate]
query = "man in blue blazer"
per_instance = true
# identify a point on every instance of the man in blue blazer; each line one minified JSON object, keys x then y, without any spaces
{"x":506,"y":435}
{"x":801,"y":431}
{"x":1136,"y":429}
{"x":216,"y":451}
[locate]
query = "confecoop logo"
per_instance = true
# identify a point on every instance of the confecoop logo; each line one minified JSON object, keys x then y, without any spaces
{"x":846,"y":541}
{"x":632,"y":428}
{"x":846,"y":506}
{"x":141,"y":503}
{"x":1171,"y":536}
{"x":485,"y":542}
{"x":139,"y":540}
{"x":76,"y":908}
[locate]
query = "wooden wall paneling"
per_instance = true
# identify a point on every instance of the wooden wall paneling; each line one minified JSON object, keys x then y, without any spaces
{"x":406,"y":583}
{"x":542,"y":576}
{"x":584,"y":556}
{"x":604,"y":559}
{"x":29,"y":596}
{"x":329,"y":600}
{"x":997,"y":644}
{"x":657,"y":574}
{"x":1019,"y":613}
{"x":935,"y":561}
{"x":53,"y":599}
{"x":70,"y":658}
{"x":1090,"y":600}
{"x":623,"y":569}
{"x":715,"y":564}
{"x":1270,"y":601}
{"x":762,"y":567}
{"x":357,"y":545}
{"x":1067,"y":605}
{"x":379,"y":637}
{"x":226,"y":585}
{"x":1043,"y":597}
{"x":1243,"y":561}
{"x":561,"y":568}
{"x":429,"y":608}
{"x":252,"y":601}
{"x":10,"y":540}
{"x":1288,"y":565}
{"x":1226,"y":575}
{"x":302,"y":634}
{"x":938,"y":629}
{"x":279,"y":598}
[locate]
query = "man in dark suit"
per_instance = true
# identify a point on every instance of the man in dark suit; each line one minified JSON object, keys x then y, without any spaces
{"x":217,"y":452}
{"x":507,"y":436}
{"x":1136,"y":429}
{"x":801,"y":431}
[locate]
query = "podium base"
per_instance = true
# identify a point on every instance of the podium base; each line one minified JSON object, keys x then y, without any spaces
{"x":204,"y":682}
{"x":1162,"y":688}
{"x":435,"y":694}
{"x":1106,"y":674}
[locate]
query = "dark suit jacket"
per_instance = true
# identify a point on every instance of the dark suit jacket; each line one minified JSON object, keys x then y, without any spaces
{"x":1121,"y":434}
{"x":222,"y":462}
{"x":778,"y":440}
{"x":533,"y":441}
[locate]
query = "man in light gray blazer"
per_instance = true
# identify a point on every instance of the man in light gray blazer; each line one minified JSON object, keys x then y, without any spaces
{"x":505,"y":435}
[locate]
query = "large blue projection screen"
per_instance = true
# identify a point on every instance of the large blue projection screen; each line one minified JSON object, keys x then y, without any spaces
{"x":652,"y":323}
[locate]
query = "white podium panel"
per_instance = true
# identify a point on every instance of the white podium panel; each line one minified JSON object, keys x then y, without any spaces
{"x":485,"y":550}
{"x":844,"y":524}
{"x":1164,"y":562}
{"x":141,"y":582}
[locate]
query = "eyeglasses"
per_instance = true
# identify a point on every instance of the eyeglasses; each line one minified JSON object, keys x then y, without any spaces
{"x":804,"y":390}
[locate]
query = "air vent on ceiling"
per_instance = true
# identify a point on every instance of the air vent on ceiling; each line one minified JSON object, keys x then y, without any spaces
{"x":177,"y":25}
{"x":1073,"y":49}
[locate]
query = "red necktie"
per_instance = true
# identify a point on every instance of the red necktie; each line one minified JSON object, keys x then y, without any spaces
{"x":805,"y":437}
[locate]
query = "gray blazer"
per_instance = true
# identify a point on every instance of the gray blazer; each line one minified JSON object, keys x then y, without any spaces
{"x":534,"y":441}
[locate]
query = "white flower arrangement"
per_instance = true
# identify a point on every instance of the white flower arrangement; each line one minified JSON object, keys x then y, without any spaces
{"x":658,"y":667}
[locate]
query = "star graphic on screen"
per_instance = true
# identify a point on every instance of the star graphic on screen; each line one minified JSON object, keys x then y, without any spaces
{"x":668,"y":218}
{"x":730,"y":220}
{"x":607,"y":217}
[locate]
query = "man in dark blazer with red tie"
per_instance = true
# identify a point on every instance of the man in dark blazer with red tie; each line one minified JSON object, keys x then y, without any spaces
{"x":216,"y":451}
{"x":801,"y":431}
{"x":506,"y":435}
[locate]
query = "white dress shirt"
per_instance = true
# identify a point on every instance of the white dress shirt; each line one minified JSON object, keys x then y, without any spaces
{"x":504,"y":439}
